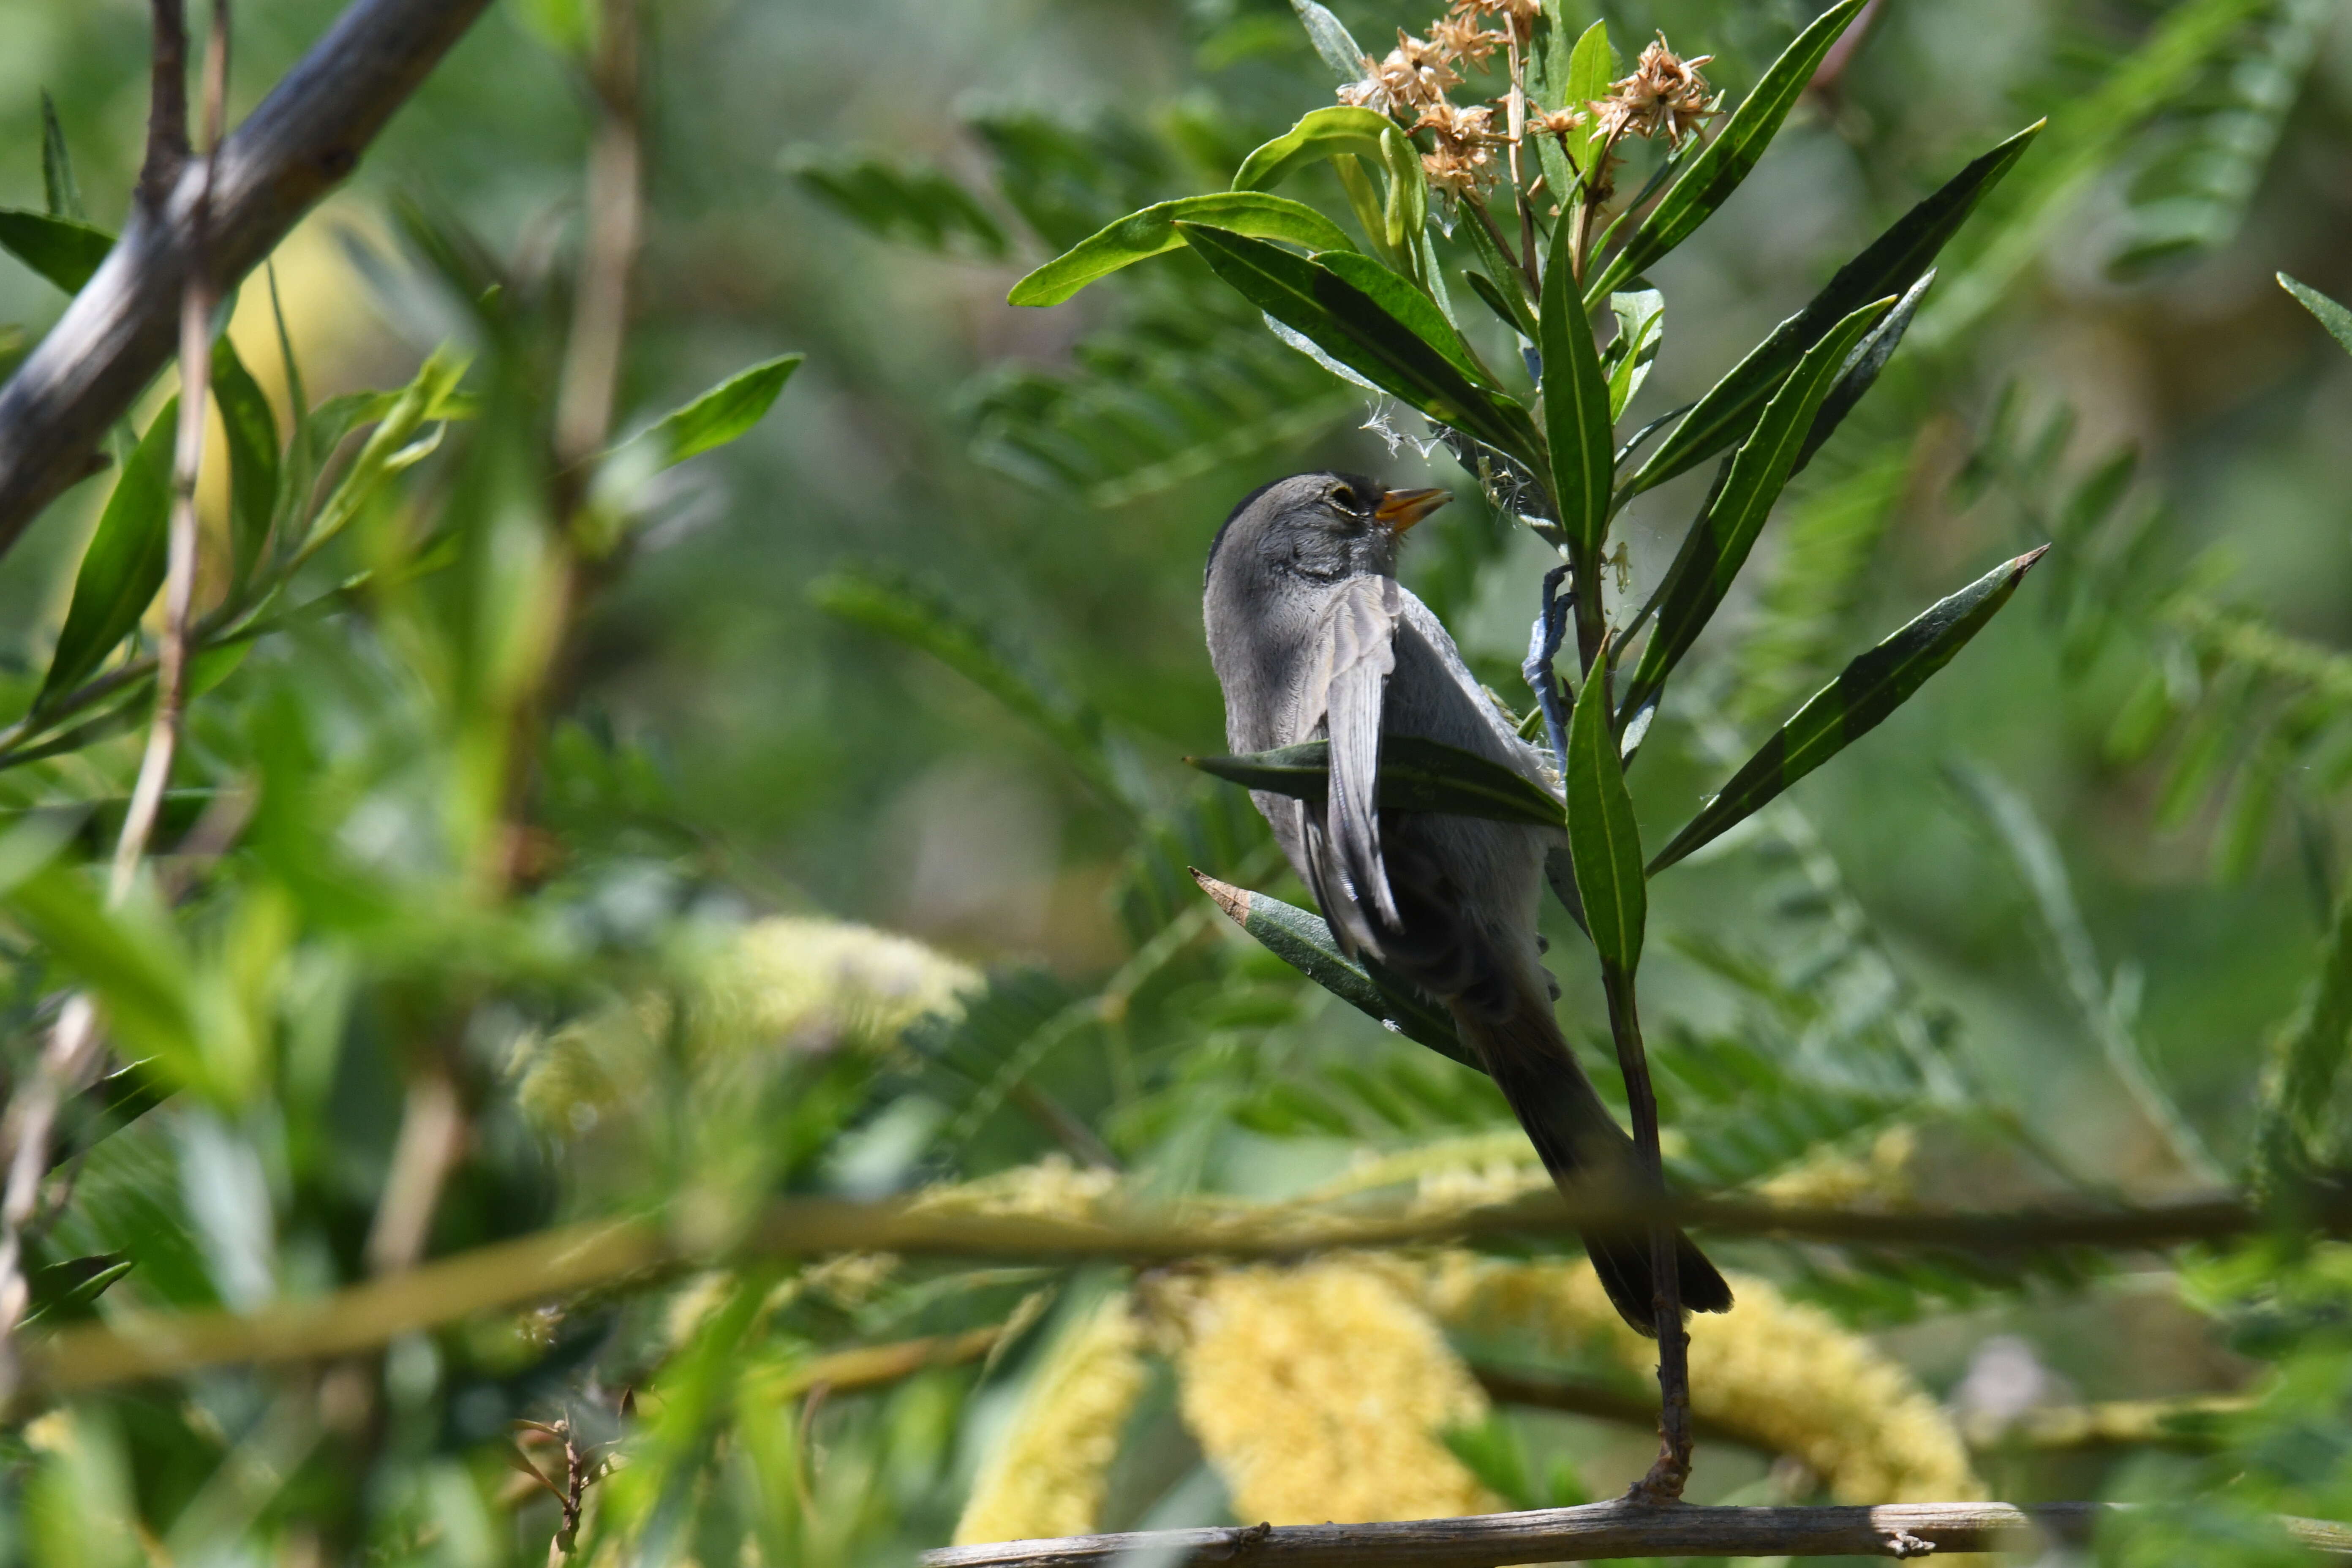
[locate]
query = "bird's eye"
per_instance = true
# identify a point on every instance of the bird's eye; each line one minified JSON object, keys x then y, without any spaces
{"x":1343,"y":497}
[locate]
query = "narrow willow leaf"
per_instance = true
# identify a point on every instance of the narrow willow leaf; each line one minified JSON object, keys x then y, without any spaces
{"x":59,"y":187}
{"x":910,"y":203}
{"x":1641,"y":331}
{"x":60,"y":1291}
{"x":252,"y":432}
{"x":123,"y":565}
{"x":1590,"y":65}
{"x":1322,"y":133}
{"x":130,"y":957}
{"x":1416,"y":774}
{"x":1861,"y":371}
{"x":720,"y":414}
{"x":1852,"y":705}
{"x":1719,"y":542}
{"x":1354,"y":328}
{"x":1407,"y":211}
{"x":435,"y":384}
{"x":1576,"y":404}
{"x":1718,"y":170}
{"x":1892,"y":263}
{"x":1409,"y":305}
{"x":1603,"y":843}
{"x":1304,"y":941}
{"x":1510,"y":305}
{"x":64,"y":250}
{"x":2333,"y":316}
{"x":2306,"y":1059}
{"x":1508,"y":282}
{"x":1153,"y":232}
{"x":1329,"y":36}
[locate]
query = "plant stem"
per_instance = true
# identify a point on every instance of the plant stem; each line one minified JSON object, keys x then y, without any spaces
{"x":1671,"y":1469}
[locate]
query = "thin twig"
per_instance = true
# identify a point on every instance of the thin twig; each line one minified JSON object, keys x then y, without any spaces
{"x":167,"y":105}
{"x":1671,"y":1469}
{"x":600,"y":1256}
{"x":1606,"y":1529}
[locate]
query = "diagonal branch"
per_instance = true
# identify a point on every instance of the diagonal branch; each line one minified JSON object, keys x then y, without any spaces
{"x":1604,"y":1530}
{"x":304,"y":139}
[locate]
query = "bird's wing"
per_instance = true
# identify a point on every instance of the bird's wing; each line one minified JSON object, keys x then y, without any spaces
{"x":1347,"y":679}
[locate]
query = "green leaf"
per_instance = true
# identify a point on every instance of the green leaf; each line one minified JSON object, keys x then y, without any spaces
{"x":60,"y":1292}
{"x":130,"y":957}
{"x":1416,"y":774}
{"x":1330,"y":38}
{"x":1603,"y":843}
{"x":2306,"y":1058}
{"x":1861,"y":369}
{"x":1409,"y":305}
{"x":2333,"y":316}
{"x":1641,"y":329}
{"x":252,"y":434}
{"x":1590,"y":65}
{"x":59,"y":187}
{"x":123,"y":565}
{"x":388,"y":448}
{"x":1406,"y":214}
{"x":1304,"y":941}
{"x":1718,"y":170}
{"x":1323,"y":133}
{"x":1355,"y":329}
{"x":910,"y":203}
{"x":1891,"y":264}
{"x":1576,"y":404}
{"x":1153,"y":232}
{"x":1719,"y":542}
{"x":1508,"y":297}
{"x":1872,"y":687}
{"x":1510,"y":307}
{"x":720,"y":414}
{"x":64,"y":250}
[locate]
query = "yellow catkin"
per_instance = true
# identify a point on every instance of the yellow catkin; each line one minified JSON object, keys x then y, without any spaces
{"x":1050,"y":1472}
{"x":1318,"y":1393}
{"x":1882,"y":1174}
{"x":1787,"y":1376}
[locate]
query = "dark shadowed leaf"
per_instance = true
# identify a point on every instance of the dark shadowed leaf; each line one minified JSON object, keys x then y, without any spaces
{"x":1304,"y":941}
{"x":2333,"y":316}
{"x":1153,"y":232}
{"x":1416,"y":774}
{"x":123,"y":565}
{"x":61,"y":1292}
{"x":1861,"y":372}
{"x":1324,"y":133}
{"x":1893,"y":261}
{"x":722,"y":413}
{"x":1719,"y":542}
{"x":910,"y":203}
{"x":1603,"y":843}
{"x":1718,"y":170}
{"x":59,"y":187}
{"x":1576,"y":403}
{"x":1354,"y":328}
{"x":1852,"y":705}
{"x":252,"y":432}
{"x":64,"y":250}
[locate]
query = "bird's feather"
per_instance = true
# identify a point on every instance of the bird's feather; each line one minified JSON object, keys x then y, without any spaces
{"x":1347,"y":685}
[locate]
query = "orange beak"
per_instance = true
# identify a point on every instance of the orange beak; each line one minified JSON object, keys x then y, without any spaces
{"x":1400,"y":509}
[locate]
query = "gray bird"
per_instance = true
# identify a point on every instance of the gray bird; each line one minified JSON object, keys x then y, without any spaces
{"x":1312,"y":637}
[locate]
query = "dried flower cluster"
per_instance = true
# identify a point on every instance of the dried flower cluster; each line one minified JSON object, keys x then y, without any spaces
{"x":1666,"y":95}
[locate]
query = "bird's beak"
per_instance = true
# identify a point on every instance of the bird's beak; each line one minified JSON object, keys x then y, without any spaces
{"x":1400,"y":509}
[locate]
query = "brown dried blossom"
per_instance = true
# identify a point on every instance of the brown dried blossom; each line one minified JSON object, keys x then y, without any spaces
{"x":1416,"y":72}
{"x":1567,"y":121}
{"x":1665,"y":96}
{"x":1521,"y":13}
{"x":1462,"y":39}
{"x":1457,"y":169}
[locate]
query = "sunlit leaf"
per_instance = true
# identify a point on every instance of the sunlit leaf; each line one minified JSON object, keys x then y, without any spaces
{"x":124,"y":565}
{"x":1865,"y":693}
{"x":1718,"y":170}
{"x":1153,"y":232}
{"x":1577,"y":414}
{"x":64,"y":250}
{"x":720,"y":414}
{"x":1355,"y":329}
{"x":1717,"y":544}
{"x":1321,"y":133}
{"x":1416,"y":774}
{"x":1603,"y":842}
{"x":1305,"y":941}
{"x":1891,"y":264}
{"x":2331,"y":315}
{"x":1641,"y":331}
{"x":1329,"y":36}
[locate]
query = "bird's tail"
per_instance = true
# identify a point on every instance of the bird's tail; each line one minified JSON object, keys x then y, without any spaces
{"x":1585,"y":1151}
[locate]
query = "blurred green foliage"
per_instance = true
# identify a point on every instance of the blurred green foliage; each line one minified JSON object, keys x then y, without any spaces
{"x":496,"y":772}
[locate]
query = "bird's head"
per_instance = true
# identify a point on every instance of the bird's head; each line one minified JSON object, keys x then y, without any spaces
{"x":1322,"y":526}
